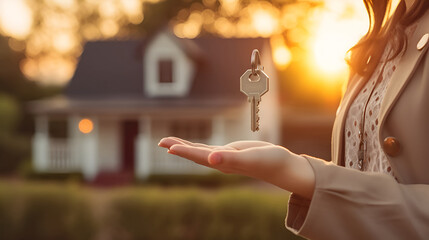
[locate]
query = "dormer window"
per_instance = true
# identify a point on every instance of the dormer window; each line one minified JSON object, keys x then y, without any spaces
{"x":165,"y":67}
{"x":168,"y":71}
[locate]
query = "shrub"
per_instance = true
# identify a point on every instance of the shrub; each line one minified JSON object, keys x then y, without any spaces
{"x":191,"y":214}
{"x":35,"y":211}
{"x":211,"y":180}
{"x":44,"y":212}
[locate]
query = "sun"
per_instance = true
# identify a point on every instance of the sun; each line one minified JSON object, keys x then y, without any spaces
{"x":336,"y":32}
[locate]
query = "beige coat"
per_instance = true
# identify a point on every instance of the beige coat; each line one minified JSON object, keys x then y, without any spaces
{"x":349,"y":204}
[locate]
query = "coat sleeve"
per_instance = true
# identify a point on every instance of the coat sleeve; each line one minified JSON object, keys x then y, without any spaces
{"x":349,"y":204}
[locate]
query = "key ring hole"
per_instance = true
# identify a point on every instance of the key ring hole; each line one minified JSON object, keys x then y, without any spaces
{"x":254,"y":77}
{"x":255,"y":62}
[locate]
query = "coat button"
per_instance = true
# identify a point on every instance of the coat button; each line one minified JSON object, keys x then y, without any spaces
{"x":391,"y":146}
{"x":423,"y":41}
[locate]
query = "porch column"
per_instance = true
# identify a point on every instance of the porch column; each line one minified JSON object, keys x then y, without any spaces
{"x":218,"y":131}
{"x":73,"y":141}
{"x":89,"y":146}
{"x":144,"y":149}
{"x":41,"y":144}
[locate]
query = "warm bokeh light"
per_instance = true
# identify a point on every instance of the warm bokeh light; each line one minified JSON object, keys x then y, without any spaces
{"x":64,"y":42}
{"x":52,"y":37}
{"x":133,"y":9}
{"x":282,"y":56}
{"x":230,"y":7}
{"x":264,"y":23}
{"x":51,"y":33}
{"x":339,"y":27}
{"x":86,"y":125}
{"x":16,"y":18}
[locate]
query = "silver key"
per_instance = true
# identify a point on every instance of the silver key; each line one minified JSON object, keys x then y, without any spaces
{"x":254,"y":83}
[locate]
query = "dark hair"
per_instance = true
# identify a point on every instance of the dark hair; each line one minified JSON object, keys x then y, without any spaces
{"x":366,"y":54}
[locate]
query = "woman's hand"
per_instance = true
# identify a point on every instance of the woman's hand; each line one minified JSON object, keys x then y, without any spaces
{"x":257,"y":159}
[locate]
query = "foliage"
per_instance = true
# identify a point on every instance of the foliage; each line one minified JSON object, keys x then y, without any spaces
{"x":12,"y":148}
{"x":15,"y":124}
{"x":172,"y":214}
{"x":44,"y":212}
{"x":214,"y":179}
{"x":65,"y":211}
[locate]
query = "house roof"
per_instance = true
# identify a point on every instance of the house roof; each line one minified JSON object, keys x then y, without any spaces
{"x":112,"y":71}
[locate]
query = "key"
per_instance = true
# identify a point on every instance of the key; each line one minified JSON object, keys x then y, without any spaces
{"x":254,"y":83}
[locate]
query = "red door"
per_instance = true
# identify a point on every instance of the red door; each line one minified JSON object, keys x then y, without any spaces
{"x":130,"y":130}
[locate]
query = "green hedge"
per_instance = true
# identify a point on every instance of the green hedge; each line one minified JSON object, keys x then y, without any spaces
{"x":195,"y":214}
{"x":66,"y":211}
{"x":44,"y":212}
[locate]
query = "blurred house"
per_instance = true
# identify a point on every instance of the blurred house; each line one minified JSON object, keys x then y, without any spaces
{"x":126,"y":95}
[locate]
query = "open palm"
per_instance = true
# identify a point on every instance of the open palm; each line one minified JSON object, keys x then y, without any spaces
{"x":251,"y":158}
{"x":262,"y":160}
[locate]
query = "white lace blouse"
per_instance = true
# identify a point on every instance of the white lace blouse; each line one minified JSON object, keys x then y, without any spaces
{"x":375,"y":160}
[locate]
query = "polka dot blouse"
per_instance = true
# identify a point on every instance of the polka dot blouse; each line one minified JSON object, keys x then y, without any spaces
{"x":375,"y":160}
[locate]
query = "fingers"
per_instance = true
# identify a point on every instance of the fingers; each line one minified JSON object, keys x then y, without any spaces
{"x":196,"y":154}
{"x":170,"y":141}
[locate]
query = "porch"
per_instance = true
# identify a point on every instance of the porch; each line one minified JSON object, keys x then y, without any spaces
{"x":104,"y":146}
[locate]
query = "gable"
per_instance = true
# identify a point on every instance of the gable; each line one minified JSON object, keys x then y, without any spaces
{"x":168,"y":71}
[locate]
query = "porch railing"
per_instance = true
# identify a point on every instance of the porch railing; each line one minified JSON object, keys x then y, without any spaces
{"x":60,"y":159}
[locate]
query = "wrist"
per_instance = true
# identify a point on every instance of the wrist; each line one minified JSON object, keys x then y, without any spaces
{"x":296,"y":175}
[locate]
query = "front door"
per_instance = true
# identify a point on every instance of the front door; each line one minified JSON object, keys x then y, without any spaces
{"x":130,"y":130}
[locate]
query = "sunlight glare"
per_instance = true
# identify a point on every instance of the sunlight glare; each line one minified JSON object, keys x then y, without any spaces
{"x":335,"y":34}
{"x":16,"y":18}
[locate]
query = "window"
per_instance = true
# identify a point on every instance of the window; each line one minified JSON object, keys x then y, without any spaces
{"x":58,"y":128}
{"x":165,"y":67}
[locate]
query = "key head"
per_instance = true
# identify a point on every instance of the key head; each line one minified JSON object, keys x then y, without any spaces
{"x":254,"y":86}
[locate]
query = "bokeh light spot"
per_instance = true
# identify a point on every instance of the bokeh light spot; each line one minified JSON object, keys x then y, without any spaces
{"x":282,"y":56}
{"x":86,"y":125}
{"x":16,"y":18}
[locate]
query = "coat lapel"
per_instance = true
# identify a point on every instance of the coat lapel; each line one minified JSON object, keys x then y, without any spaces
{"x":405,"y":69}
